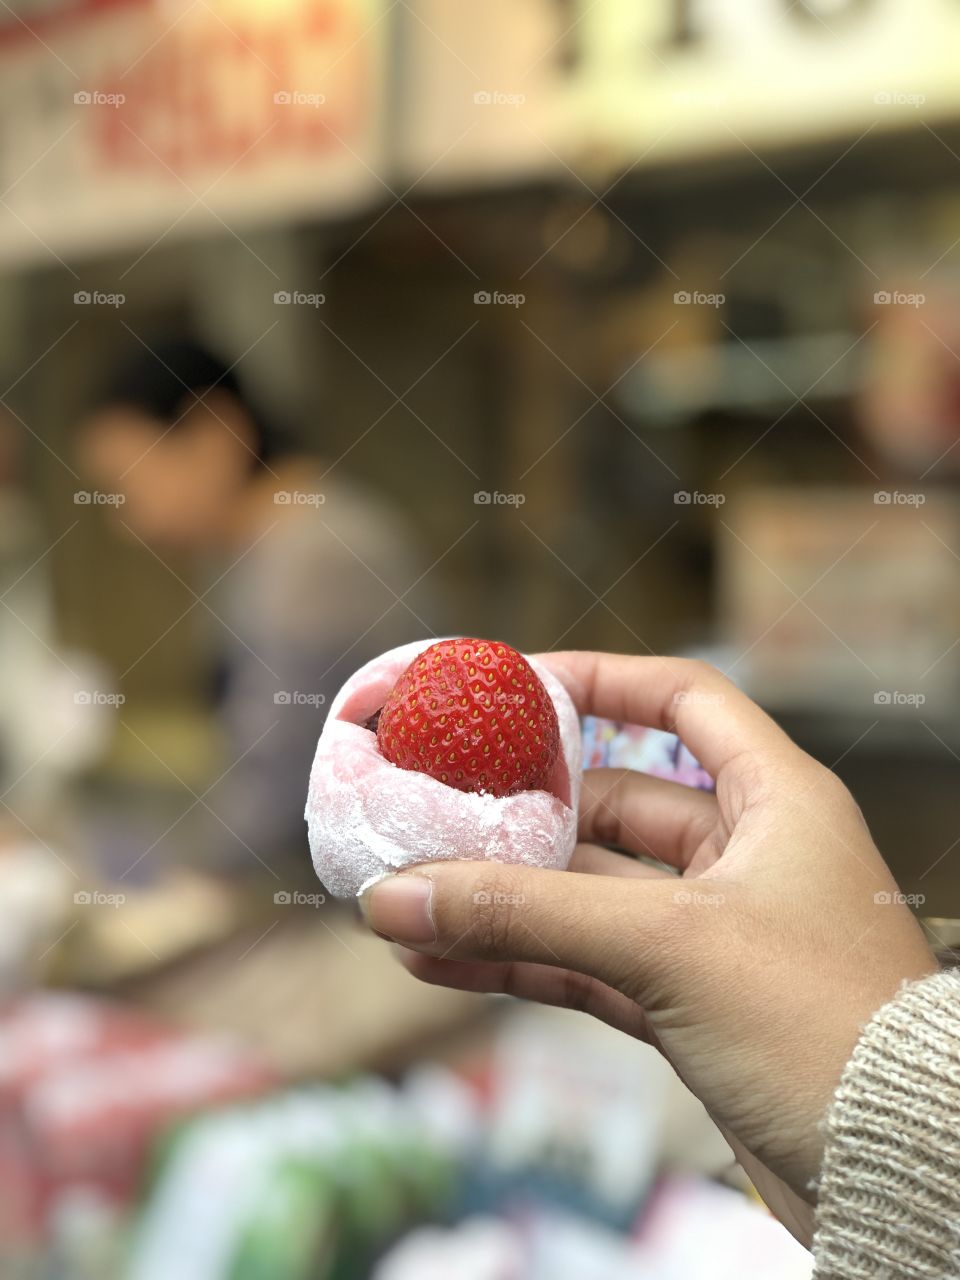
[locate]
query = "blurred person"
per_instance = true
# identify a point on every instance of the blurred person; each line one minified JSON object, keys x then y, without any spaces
{"x":765,"y":951}
{"x":309,"y":575}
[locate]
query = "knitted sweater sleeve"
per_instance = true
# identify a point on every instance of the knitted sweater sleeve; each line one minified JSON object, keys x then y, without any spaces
{"x":889,"y":1195}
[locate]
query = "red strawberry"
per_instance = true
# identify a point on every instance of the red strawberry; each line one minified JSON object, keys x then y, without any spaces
{"x":473,"y":714}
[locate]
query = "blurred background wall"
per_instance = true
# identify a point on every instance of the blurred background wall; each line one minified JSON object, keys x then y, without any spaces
{"x":720,"y":244}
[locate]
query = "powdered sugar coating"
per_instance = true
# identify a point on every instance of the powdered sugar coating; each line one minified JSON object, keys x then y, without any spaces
{"x":365,"y":817}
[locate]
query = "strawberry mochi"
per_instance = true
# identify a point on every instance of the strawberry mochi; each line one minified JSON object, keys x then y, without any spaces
{"x":367,"y":817}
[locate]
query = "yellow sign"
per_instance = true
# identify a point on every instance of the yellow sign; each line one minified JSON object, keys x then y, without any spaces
{"x":690,"y":77}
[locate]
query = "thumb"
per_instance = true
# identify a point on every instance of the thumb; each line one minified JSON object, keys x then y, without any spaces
{"x":611,"y":928}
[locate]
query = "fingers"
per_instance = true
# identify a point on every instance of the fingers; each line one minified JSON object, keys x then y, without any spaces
{"x":719,"y":724}
{"x":594,"y":861}
{"x":663,"y":820}
{"x":560,"y":987}
{"x":609,"y":927}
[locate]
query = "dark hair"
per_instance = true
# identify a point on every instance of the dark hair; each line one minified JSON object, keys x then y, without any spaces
{"x":160,"y":379}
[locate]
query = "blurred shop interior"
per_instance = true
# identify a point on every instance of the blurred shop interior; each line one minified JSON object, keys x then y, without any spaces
{"x":617,"y":327}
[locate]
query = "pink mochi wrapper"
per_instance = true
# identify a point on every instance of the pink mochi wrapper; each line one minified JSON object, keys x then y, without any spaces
{"x":367,"y":818}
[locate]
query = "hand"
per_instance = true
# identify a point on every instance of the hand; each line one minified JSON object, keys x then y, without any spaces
{"x":751,"y":955}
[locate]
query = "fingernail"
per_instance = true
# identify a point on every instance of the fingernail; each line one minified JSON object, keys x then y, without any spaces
{"x":399,"y":906}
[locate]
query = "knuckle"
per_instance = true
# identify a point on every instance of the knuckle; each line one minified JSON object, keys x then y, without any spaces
{"x":699,"y":674}
{"x":818,"y":789}
{"x":695,"y":681}
{"x":748,"y":780}
{"x":602,"y":824}
{"x":700,"y":670}
{"x":826,"y":785}
{"x":695,"y":828}
{"x":497,"y":899}
{"x":579,"y":991}
{"x":602,"y":820}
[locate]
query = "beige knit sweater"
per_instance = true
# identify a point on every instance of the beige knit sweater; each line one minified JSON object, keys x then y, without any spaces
{"x":889,"y":1198}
